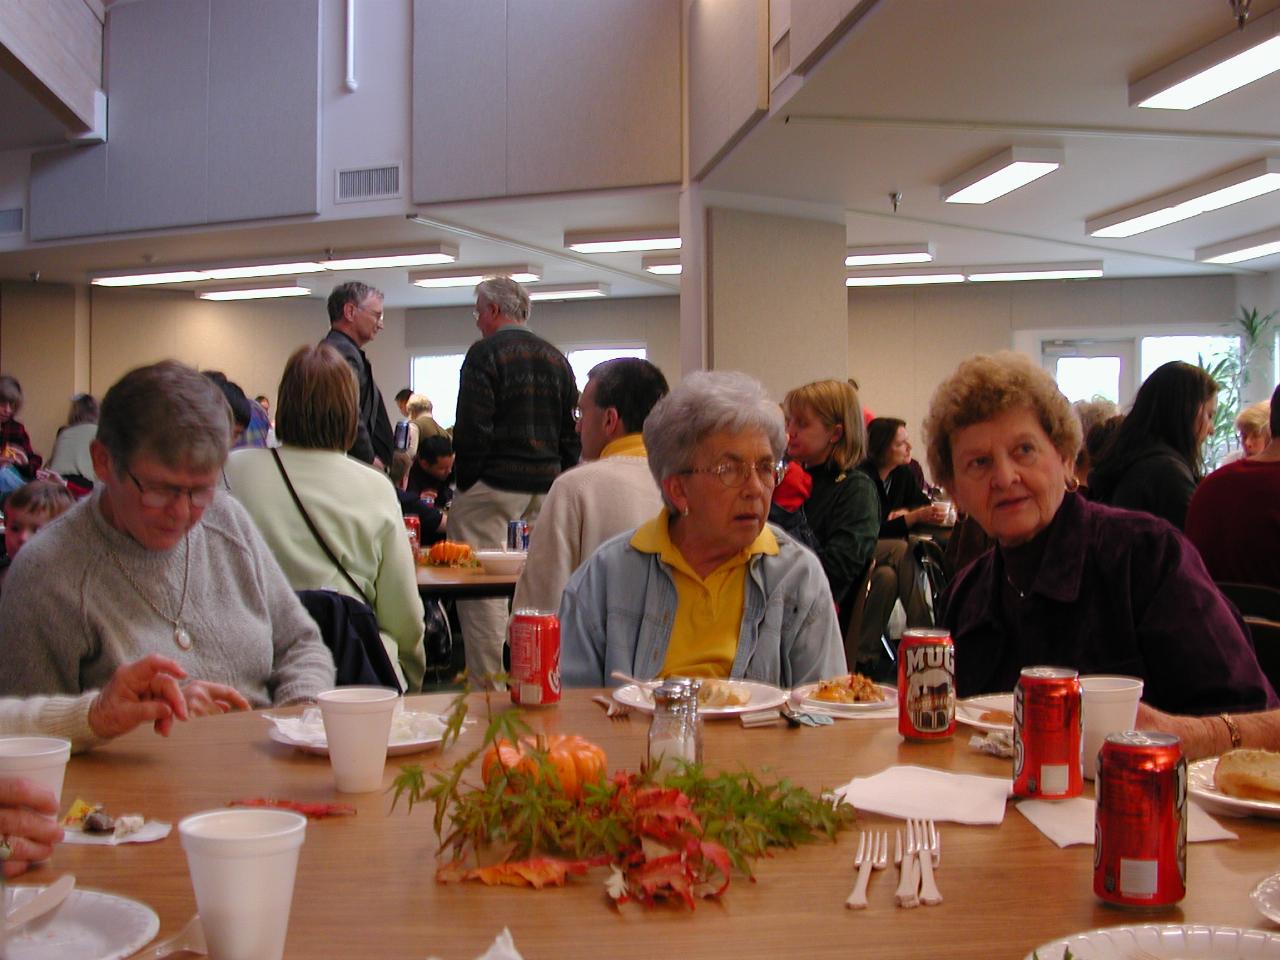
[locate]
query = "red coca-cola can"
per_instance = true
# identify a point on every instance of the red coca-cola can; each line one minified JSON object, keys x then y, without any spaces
{"x":1046,"y":734}
{"x":534,"y":636}
{"x":927,"y":685}
{"x":1140,"y":831}
{"x":413,"y":526}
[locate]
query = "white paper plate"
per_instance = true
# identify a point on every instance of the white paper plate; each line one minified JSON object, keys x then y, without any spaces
{"x":762,"y":697}
{"x":88,"y":925}
{"x":1183,"y":942}
{"x":971,"y":709}
{"x":1200,"y":786}
{"x":312,"y":739}
{"x":802,"y":696}
{"x":1266,"y":897}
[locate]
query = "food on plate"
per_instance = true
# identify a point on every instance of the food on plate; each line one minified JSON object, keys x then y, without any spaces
{"x":996,"y":716}
{"x":723,"y":693}
{"x":854,"y":688}
{"x":574,"y":760}
{"x":448,"y":553}
{"x":1249,"y":774}
{"x":98,"y":822}
{"x":92,"y":818}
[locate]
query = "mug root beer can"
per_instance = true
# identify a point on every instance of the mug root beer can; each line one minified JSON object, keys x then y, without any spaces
{"x":534,"y":636}
{"x":927,"y":685}
{"x":1140,"y":830}
{"x":1047,"y":761}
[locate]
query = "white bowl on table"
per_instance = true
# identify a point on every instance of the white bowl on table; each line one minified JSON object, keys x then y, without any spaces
{"x":501,"y":562}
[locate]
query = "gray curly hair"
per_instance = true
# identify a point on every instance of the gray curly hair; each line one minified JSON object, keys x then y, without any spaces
{"x":704,"y":403}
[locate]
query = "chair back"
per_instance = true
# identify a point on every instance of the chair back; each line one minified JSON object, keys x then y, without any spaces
{"x":1253,"y":599}
{"x":349,"y":628}
{"x":857,"y":598}
{"x":1266,"y":643}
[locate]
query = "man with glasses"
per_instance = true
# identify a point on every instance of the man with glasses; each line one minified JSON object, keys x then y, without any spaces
{"x":612,"y":493}
{"x":706,"y":588}
{"x":159,"y":559}
{"x":513,"y":436}
{"x":355,"y":318}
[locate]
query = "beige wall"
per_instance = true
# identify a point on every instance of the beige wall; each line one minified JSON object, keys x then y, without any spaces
{"x":776,"y":305}
{"x":651,"y":321}
{"x":904,"y":341}
{"x":38,"y":345}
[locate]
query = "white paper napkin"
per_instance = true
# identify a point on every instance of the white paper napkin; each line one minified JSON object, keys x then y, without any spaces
{"x":1068,"y":822}
{"x":503,"y":948}
{"x":151,"y":831}
{"x":918,"y":792}
{"x":406,"y":727}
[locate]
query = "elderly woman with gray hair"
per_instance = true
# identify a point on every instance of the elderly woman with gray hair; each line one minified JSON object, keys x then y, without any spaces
{"x":159,"y":560}
{"x":705,"y":588}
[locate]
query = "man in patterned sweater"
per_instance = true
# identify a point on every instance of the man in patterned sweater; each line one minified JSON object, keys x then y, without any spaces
{"x":513,"y":435}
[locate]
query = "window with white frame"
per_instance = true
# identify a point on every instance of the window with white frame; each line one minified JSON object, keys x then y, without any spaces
{"x":436,"y":377}
{"x":1157,"y":351}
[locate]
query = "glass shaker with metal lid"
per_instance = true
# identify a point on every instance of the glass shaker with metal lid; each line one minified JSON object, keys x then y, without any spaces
{"x":693,"y":687}
{"x":669,"y":730}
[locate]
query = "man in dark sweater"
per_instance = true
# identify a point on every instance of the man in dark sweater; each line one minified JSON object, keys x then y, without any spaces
{"x":355,"y":318}
{"x":513,"y":435}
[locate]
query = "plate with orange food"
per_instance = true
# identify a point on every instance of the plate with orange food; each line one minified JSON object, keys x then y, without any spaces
{"x":851,"y":694}
{"x":992,"y":712}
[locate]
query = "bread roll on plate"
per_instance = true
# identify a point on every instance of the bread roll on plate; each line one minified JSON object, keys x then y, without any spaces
{"x":1249,"y":774}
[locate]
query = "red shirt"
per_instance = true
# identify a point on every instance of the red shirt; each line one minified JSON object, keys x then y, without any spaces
{"x":1234,"y":521}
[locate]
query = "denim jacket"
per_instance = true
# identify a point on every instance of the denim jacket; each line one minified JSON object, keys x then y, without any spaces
{"x":617,"y":612}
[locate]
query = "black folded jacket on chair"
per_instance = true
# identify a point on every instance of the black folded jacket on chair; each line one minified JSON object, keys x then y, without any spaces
{"x":349,"y":628}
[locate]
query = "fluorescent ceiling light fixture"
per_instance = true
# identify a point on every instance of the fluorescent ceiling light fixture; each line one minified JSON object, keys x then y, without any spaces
{"x":1252,"y":247}
{"x":147,"y":279}
{"x":1082,"y":270}
{"x":470,"y":276}
{"x":883,"y":253}
{"x":1243,"y":183}
{"x":380,"y":259}
{"x":662,"y":264}
{"x":1230,"y":62}
{"x":897,"y":278}
{"x":249,"y":271}
{"x":254,"y":291}
{"x":1005,"y":172}
{"x":569,"y":291}
{"x":623,"y":241}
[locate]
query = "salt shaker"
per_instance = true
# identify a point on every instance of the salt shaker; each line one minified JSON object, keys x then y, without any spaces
{"x":693,"y":718}
{"x":669,"y":730}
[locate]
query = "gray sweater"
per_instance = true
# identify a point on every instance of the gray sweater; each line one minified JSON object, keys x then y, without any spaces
{"x":69,"y":617}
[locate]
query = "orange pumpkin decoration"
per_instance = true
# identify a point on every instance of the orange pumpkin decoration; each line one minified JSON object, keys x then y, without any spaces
{"x":447,"y":551}
{"x":575,"y":760}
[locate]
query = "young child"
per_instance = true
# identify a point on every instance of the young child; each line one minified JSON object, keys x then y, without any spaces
{"x":28,"y":509}
{"x":18,"y":462}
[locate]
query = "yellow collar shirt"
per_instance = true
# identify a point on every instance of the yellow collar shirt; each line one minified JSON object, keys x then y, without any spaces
{"x":708,"y":617}
{"x":627,"y":445}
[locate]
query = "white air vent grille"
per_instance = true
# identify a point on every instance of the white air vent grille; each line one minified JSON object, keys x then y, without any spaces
{"x":368,"y":183}
{"x":10,"y":221}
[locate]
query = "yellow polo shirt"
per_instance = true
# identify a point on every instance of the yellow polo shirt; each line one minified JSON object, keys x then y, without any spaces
{"x":627,"y":445}
{"x":708,"y":620}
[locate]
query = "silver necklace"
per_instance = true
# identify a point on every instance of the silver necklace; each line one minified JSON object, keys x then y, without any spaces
{"x":180,"y":635}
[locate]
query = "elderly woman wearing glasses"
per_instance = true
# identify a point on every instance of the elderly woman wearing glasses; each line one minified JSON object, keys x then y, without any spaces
{"x":705,"y":588}
{"x":159,"y":560}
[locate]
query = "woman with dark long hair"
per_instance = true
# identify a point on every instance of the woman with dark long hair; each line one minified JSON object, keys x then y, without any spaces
{"x":1153,"y":462}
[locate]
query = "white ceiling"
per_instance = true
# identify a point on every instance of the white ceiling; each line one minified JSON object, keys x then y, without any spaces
{"x":918,"y":91}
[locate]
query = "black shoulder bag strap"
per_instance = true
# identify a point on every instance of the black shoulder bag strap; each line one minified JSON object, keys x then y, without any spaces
{"x":315,"y":532}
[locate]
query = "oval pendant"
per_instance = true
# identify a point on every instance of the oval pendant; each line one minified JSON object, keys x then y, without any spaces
{"x":182,"y":638}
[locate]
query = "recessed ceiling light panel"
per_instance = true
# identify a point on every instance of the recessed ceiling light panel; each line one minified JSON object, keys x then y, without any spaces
{"x":886,"y":253}
{"x":1243,"y":183}
{"x":1001,"y":174}
{"x":1250,"y":247}
{"x":262,"y":290}
{"x":569,"y":291}
{"x":382,"y":259}
{"x":623,"y":241}
{"x":1230,"y":62}
{"x":470,"y":276}
{"x":662,"y":264}
{"x":148,"y":279}
{"x":1081,"y":270}
{"x":903,"y":277}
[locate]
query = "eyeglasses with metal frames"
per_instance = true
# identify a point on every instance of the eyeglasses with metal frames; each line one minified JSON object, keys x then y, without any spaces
{"x":160,"y":496}
{"x":735,"y":473}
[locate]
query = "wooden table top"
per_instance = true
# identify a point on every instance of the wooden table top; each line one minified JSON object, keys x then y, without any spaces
{"x":465,"y":582}
{"x":365,"y":884}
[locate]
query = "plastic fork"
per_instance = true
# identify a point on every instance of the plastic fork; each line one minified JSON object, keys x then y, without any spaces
{"x":927,"y":844}
{"x":190,"y":939}
{"x":909,"y":876}
{"x":871,"y":855}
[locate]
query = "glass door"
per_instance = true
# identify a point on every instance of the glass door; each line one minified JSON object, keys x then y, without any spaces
{"x":1092,"y":369}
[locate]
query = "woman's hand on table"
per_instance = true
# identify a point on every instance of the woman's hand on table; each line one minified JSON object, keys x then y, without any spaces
{"x":207,"y":699}
{"x":26,"y":827}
